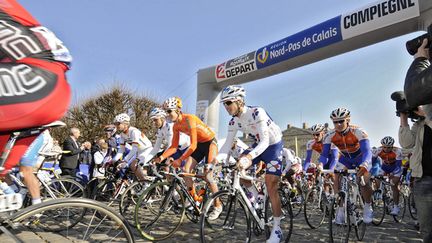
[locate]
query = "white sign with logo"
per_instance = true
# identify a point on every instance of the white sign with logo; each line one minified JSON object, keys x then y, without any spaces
{"x":202,"y":110}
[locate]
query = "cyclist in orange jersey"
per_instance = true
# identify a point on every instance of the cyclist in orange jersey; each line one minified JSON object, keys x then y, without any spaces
{"x":203,"y":145}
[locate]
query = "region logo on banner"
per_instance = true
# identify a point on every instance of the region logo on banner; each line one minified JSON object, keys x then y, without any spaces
{"x":378,"y":15}
{"x":236,"y":67}
{"x":318,"y":36}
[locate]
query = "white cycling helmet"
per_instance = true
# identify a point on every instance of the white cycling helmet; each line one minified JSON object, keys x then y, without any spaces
{"x":387,"y":141}
{"x":172,"y":103}
{"x":121,"y":118}
{"x":317,"y":128}
{"x":157,"y":113}
{"x":233,"y":92}
{"x":297,"y":160}
{"x":340,"y":114}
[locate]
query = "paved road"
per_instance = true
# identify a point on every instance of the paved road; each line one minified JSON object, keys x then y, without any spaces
{"x":389,"y":231}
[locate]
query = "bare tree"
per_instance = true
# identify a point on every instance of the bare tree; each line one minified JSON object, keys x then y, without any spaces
{"x":92,"y":114}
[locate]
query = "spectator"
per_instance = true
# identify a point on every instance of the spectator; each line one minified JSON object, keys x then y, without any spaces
{"x":71,"y":150}
{"x":419,"y":137}
{"x":100,"y":157}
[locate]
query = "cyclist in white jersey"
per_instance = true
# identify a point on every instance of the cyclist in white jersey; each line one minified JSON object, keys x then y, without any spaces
{"x":267,"y":147}
{"x":164,"y":136}
{"x":141,"y":145}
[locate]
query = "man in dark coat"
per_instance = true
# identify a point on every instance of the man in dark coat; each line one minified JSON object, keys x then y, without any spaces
{"x":72,"y":149}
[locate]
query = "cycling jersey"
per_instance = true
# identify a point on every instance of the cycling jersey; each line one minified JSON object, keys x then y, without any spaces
{"x":267,"y":135}
{"x":141,"y":145}
{"x":353,"y":145}
{"x":42,"y":144}
{"x":164,"y":137}
{"x":289,"y":161}
{"x":197,"y":131}
{"x":259,"y":125}
{"x":33,"y":62}
{"x":330,"y":160}
{"x":391,"y":161}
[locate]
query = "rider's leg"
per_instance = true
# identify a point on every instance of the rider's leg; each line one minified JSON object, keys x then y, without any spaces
{"x":211,"y":159}
{"x":190,"y":164}
{"x":137,"y":170}
{"x":272,"y":185}
{"x":395,"y":188}
{"x":31,"y":182}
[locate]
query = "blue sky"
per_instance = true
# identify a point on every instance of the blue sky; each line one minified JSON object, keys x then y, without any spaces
{"x":156,"y":47}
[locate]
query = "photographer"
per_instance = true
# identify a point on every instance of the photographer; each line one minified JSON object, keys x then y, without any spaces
{"x":419,"y":138}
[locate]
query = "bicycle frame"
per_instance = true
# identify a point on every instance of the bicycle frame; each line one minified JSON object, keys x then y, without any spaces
{"x":237,"y":189}
{"x":349,"y":190}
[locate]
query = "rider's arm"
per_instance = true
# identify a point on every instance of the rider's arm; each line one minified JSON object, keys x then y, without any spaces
{"x":232,"y":131}
{"x":365,"y":147}
{"x":325,"y":153}
{"x":263,"y":135}
{"x":119,"y":153}
{"x":334,"y":157}
{"x":193,"y":139}
{"x":324,"y":156}
{"x":156,"y":147}
{"x":121,"y":148}
{"x":174,"y":144}
{"x":131,"y":156}
{"x":308,"y":159}
{"x":366,"y":152}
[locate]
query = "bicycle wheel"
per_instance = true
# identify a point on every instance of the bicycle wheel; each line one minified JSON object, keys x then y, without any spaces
{"x":379,"y":207}
{"x":287,"y":222}
{"x":233,"y":224}
{"x":338,"y":232}
{"x":158,"y":214}
{"x":57,"y":214}
{"x":412,"y":207}
{"x":315,"y":208}
{"x":130,"y":197}
{"x":359,"y":225}
{"x":105,"y":192}
{"x":297,"y":203}
{"x":62,"y":188}
{"x":402,"y":202}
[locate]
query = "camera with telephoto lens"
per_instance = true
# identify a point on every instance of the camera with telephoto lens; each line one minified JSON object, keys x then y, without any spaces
{"x":413,"y":45}
{"x":402,"y":105}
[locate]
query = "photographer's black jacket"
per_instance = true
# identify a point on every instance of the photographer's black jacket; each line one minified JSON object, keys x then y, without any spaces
{"x":418,"y":83}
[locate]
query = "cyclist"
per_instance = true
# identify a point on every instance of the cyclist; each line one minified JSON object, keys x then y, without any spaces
{"x":391,"y":158}
{"x":140,"y":145}
{"x":33,"y":62}
{"x":353,"y":143}
{"x":316,"y":144}
{"x":202,"y":146}
{"x":267,"y":147}
{"x":164,"y":136}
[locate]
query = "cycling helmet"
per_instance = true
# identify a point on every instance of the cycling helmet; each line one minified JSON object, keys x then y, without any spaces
{"x":317,"y":128}
{"x":387,"y":141}
{"x":340,"y":114}
{"x":123,"y":117}
{"x":157,"y":113}
{"x":233,"y":92}
{"x":172,"y":103}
